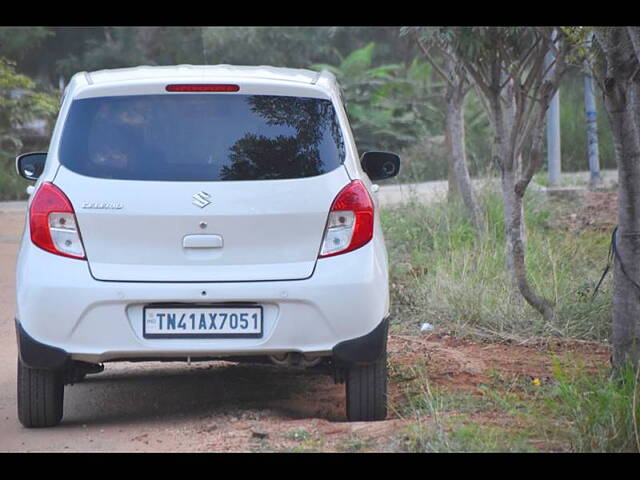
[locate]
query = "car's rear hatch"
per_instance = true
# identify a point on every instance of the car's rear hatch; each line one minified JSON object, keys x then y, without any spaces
{"x":201,"y":187}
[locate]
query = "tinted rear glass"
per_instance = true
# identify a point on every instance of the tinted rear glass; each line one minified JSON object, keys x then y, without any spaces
{"x":190,"y":137}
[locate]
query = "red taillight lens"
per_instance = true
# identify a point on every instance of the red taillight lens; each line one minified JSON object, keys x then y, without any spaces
{"x":350,"y":223}
{"x":53,"y":224}
{"x":202,"y":88}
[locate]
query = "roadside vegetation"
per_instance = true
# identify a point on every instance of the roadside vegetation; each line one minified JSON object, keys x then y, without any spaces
{"x":442,"y":275}
{"x":579,"y":409}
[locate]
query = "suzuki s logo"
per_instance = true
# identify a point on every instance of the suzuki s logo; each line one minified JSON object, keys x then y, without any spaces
{"x":201,"y":199}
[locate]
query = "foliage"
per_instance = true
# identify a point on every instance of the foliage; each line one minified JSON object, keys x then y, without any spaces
{"x":19,"y":103}
{"x":267,"y":45}
{"x":388,"y":104}
{"x":16,"y":42}
{"x":438,"y":274}
{"x":118,"y":47}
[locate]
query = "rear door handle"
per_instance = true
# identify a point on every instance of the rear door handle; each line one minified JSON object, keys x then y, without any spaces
{"x":202,"y":241}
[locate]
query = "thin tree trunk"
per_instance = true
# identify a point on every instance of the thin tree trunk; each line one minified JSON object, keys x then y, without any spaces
{"x":515,"y":243}
{"x":454,"y":126}
{"x":503,"y":115}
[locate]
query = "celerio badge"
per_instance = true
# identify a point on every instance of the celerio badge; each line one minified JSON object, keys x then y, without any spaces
{"x":103,"y":205}
{"x":201,"y":199}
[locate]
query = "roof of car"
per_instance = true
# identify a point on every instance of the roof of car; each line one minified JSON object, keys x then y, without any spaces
{"x":203,"y":72}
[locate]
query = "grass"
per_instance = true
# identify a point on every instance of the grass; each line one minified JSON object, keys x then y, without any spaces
{"x":578,"y":409}
{"x":446,"y":421}
{"x":306,"y":442}
{"x":602,"y":411}
{"x":458,"y":435}
{"x":354,"y":444}
{"x":440,"y":275}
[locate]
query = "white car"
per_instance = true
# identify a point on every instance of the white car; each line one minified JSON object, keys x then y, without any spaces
{"x":200,"y":213}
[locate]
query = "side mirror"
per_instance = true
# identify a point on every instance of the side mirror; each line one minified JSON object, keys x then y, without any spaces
{"x":30,"y":165}
{"x":380,"y":165}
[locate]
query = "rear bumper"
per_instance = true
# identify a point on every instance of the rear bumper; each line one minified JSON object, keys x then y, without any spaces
{"x":94,"y":321}
{"x":364,"y":349}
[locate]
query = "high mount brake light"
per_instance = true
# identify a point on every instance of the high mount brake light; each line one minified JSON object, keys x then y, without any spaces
{"x":202,"y":88}
{"x":350,"y":223}
{"x":52,"y":222}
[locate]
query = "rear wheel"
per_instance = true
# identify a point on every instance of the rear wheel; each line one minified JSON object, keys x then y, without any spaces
{"x":366,"y":388}
{"x":40,"y":396}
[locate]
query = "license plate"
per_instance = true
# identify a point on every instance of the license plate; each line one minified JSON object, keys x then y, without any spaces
{"x":202,"y":322}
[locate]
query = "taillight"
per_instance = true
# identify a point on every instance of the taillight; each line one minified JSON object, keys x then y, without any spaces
{"x":53,"y":224}
{"x":202,"y":87}
{"x":350,"y":224}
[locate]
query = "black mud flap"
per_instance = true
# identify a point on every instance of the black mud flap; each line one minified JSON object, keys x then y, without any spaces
{"x":365,"y":349}
{"x":34,"y":354}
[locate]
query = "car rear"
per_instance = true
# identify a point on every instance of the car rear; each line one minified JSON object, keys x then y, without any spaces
{"x":191,"y":220}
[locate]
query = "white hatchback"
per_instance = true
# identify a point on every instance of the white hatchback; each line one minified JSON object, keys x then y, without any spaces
{"x":200,"y":213}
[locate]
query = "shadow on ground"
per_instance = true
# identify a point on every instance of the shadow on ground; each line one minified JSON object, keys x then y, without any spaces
{"x":148,"y":392}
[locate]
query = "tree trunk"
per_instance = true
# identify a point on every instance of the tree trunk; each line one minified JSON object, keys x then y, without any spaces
{"x":503,"y":112}
{"x":515,"y":244}
{"x":452,"y":183}
{"x":459,"y":179}
{"x":626,"y":296}
{"x":622,"y":102}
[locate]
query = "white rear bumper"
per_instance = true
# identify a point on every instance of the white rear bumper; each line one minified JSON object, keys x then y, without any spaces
{"x":59,"y":304}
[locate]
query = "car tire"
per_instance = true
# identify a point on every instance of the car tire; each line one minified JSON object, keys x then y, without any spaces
{"x":366,"y":391}
{"x":40,"y":396}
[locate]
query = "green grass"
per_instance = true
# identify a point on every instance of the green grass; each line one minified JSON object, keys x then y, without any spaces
{"x":602,"y":411}
{"x":446,"y":421}
{"x":576,"y":410}
{"x":461,"y":435}
{"x":440,"y":275}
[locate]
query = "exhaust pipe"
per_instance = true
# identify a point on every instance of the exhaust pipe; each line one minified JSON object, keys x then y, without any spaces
{"x":295,"y":359}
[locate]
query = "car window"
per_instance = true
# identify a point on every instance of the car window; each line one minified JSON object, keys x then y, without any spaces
{"x":191,"y":137}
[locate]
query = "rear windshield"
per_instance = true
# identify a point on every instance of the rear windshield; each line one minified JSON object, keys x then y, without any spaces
{"x":191,"y":137}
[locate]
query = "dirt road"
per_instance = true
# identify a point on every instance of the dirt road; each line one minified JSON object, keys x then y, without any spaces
{"x":217,"y":406}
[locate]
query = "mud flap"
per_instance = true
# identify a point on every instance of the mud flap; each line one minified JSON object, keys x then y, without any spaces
{"x":34,"y":354}
{"x":365,"y":349}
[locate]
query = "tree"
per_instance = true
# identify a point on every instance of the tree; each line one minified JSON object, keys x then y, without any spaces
{"x":16,"y":42}
{"x":384,"y":102}
{"x":294,"y":47}
{"x":508,"y":69}
{"x":617,"y":69}
{"x":452,"y":71}
{"x":19,"y":103}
